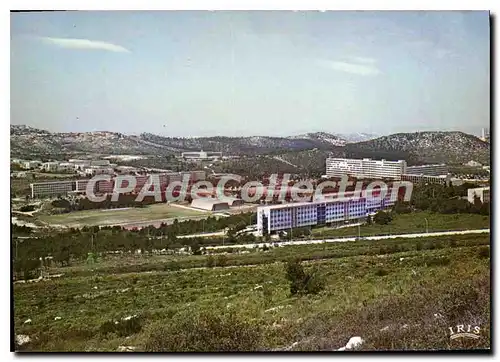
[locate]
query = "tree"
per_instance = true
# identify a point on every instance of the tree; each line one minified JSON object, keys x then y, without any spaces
{"x":210,"y":263}
{"x":300,"y":281}
{"x":382,"y":218}
{"x":195,"y":248}
{"x":402,"y":208}
{"x":295,"y":274}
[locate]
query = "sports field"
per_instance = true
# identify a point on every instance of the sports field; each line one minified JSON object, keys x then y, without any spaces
{"x":121,"y":216}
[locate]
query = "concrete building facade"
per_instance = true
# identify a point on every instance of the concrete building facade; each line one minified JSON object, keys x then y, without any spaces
{"x":201,"y":155}
{"x":428,"y":170}
{"x":425,"y":179}
{"x":274,"y":218}
{"x":51,"y":189}
{"x":365,"y":168}
{"x":50,"y":166}
{"x":483,"y":193}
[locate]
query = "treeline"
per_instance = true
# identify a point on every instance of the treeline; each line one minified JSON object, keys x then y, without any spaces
{"x":76,"y":244}
{"x":443,"y":199}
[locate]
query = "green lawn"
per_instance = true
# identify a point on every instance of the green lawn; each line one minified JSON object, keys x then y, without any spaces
{"x":117,"y":216}
{"x":412,"y":223}
{"x":363,"y":293}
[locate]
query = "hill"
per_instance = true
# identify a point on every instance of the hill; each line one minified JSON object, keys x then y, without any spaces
{"x":249,"y":145}
{"x":424,"y":147}
{"x":302,"y":152}
{"x":28,"y":142}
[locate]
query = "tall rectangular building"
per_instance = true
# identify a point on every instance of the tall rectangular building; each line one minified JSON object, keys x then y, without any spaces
{"x":365,"y":168}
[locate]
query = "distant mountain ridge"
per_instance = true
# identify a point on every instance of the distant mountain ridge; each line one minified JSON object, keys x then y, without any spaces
{"x":416,"y":147}
{"x":429,"y":147}
{"x":358,"y":137}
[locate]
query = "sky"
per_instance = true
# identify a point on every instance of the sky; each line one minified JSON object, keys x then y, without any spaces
{"x":247,"y":73}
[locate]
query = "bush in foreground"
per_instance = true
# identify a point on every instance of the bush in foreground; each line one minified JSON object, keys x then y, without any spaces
{"x":204,"y":332}
{"x":300,"y":281}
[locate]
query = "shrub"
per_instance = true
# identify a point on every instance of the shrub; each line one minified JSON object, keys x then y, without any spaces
{"x":204,"y":331}
{"x":27,"y":208}
{"x":210,"y":263}
{"x":122,"y":328}
{"x":172,"y":266}
{"x":460,"y":302}
{"x":483,"y":252}
{"x":436,"y":261}
{"x":382,"y":218}
{"x":301,"y":282}
{"x":221,"y":260}
{"x":380,"y":272}
{"x":313,"y":284}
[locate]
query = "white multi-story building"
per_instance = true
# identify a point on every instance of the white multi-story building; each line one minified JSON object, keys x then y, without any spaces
{"x":428,"y":170}
{"x":56,"y":188}
{"x":329,"y":211}
{"x":365,"y":168}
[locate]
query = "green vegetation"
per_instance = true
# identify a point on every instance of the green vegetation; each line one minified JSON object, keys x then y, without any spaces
{"x":27,"y":208}
{"x":389,"y":292}
{"x":300,"y":281}
{"x":120,"y":216}
{"x":414,"y":222}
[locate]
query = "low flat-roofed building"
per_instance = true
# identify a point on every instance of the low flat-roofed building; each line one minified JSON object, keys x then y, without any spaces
{"x":126,"y":169}
{"x":234,"y":201}
{"x":31,"y":164}
{"x":99,"y":170}
{"x":473,"y":163}
{"x":209,"y":204}
{"x":66,"y":166}
{"x":99,"y":163}
{"x":50,"y":166}
{"x":483,"y":193}
{"x":428,"y":170}
{"x":426,"y":179}
{"x":201,"y":155}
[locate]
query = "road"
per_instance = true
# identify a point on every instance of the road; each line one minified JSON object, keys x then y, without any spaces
{"x":343,"y":240}
{"x":217,"y":233}
{"x":157,"y":223}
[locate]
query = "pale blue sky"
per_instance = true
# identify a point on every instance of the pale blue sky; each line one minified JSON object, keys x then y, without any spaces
{"x":250,"y":73}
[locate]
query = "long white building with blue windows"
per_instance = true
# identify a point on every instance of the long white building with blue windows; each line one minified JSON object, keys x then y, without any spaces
{"x":274,"y":218}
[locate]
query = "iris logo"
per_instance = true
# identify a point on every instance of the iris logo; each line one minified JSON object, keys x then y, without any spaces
{"x":464,"y":331}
